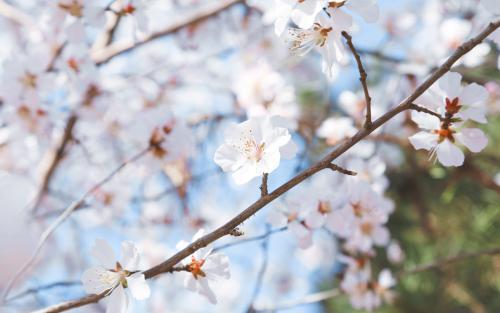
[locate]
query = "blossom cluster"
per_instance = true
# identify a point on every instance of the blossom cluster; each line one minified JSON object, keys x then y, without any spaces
{"x":80,"y":101}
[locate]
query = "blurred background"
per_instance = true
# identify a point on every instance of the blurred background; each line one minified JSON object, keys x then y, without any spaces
{"x":209,"y":64}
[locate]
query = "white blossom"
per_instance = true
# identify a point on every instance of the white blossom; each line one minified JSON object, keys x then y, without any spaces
{"x":114,"y":277}
{"x":254,"y":148}
{"x":204,"y":266}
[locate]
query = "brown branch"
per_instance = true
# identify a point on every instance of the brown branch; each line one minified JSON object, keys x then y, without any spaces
{"x":362,"y":79}
{"x":452,"y":259}
{"x":227,"y":228}
{"x":418,"y":108}
{"x":263,"y":187}
{"x":335,"y":292}
{"x":118,"y":48}
{"x":53,"y":157}
{"x":43,"y":288}
{"x":63,"y":216}
{"x":341,"y":170}
{"x":17,"y":16}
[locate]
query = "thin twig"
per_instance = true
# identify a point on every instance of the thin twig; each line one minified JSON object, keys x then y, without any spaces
{"x":104,"y":55}
{"x":452,"y":259}
{"x":43,"y":288}
{"x":362,"y":79}
{"x":14,"y":14}
{"x":64,"y":215}
{"x":262,"y":271}
{"x":263,"y":187}
{"x":341,"y":170}
{"x":335,"y":292}
{"x":315,"y":168}
{"x":256,"y":238}
{"x":418,"y":108}
{"x":53,"y":157}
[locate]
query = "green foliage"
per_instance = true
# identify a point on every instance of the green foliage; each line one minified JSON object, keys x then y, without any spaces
{"x":441,"y":212}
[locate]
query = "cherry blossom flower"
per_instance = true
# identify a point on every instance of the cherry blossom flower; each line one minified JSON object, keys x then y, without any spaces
{"x":204,"y":266}
{"x":394,"y":252}
{"x":78,"y":13}
{"x":303,"y":13}
{"x":325,"y":35}
{"x":458,"y":104}
{"x":289,"y":215}
{"x":136,"y":9}
{"x":440,"y":139}
{"x":254,"y":148}
{"x":336,"y":129}
{"x":25,"y":80}
{"x":261,"y":90}
{"x":115,"y":277}
{"x":362,"y":291}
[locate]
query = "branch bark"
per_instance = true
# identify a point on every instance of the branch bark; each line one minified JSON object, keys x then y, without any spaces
{"x":104,"y":55}
{"x":62,"y":217}
{"x":54,"y":157}
{"x":324,"y":163}
{"x":362,"y":79}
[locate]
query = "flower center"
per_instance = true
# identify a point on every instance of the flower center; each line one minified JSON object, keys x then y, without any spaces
{"x":74,"y":8}
{"x":73,"y":64}
{"x":254,"y":151}
{"x":29,"y":80}
{"x":322,"y":34}
{"x":128,"y":9}
{"x":324,"y":207}
{"x":366,"y":228}
{"x":452,"y":106}
{"x":195,"y":267}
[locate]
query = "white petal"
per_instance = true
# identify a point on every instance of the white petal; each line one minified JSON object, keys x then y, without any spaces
{"x":103,"y":252}
{"x":130,"y":256}
{"x":477,"y":114}
{"x":298,"y":230}
{"x":305,"y":14}
{"x":269,"y":162}
{"x":117,"y":301}
{"x":448,"y":154}
{"x":423,"y":140}
{"x":450,"y":84}
{"x":381,"y":236}
{"x":385,"y":279}
{"x":97,"y":280}
{"x":473,"y":94}
{"x":138,"y":286}
{"x":190,"y":283}
{"x":473,"y":138}
{"x":217,"y":264}
{"x":206,"y":291}
{"x":246,"y":173}
{"x":228,"y":158}
{"x":425,"y":120}
{"x":315,"y":219}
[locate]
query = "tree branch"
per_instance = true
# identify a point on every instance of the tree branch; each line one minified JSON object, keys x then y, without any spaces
{"x":418,"y":108}
{"x":335,"y":292}
{"x":104,"y":55}
{"x":263,"y":187}
{"x":54,"y":157}
{"x":226,"y":229}
{"x":362,"y":79}
{"x":63,"y":216}
{"x":341,"y":170}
